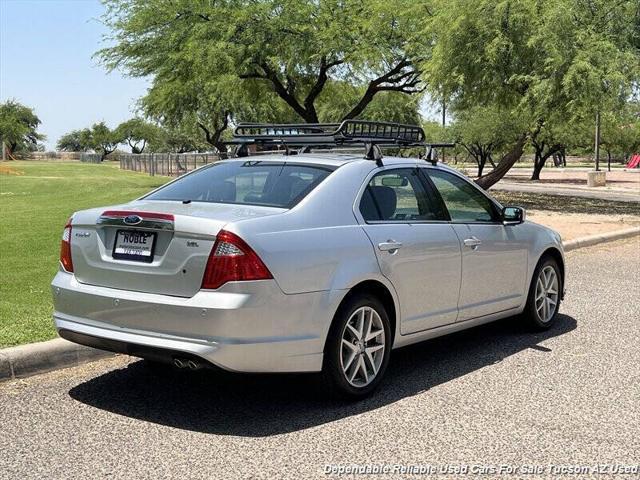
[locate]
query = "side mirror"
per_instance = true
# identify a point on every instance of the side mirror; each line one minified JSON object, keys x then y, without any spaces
{"x":513,"y":215}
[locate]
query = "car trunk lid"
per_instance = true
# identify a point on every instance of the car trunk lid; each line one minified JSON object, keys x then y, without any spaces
{"x":151,"y":246}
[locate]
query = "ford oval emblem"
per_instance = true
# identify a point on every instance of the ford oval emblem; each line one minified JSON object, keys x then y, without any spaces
{"x":132,"y":219}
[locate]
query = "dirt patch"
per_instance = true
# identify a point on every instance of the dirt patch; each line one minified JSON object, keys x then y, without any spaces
{"x":565,"y":204}
{"x":618,"y":178}
{"x":576,"y":225}
{"x":7,"y":170}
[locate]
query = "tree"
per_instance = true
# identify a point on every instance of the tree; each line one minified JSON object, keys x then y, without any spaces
{"x":531,"y":57}
{"x":550,"y":137}
{"x":386,"y":106}
{"x":75,"y":141}
{"x":99,"y":138}
{"x":620,"y":135}
{"x":103,"y":139}
{"x":182,"y":138}
{"x":484,"y":132}
{"x":137,"y":133}
{"x":19,"y":127}
{"x":234,"y":60}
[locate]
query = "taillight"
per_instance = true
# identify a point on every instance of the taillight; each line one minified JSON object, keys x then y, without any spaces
{"x":232,"y":260}
{"x":65,"y":248}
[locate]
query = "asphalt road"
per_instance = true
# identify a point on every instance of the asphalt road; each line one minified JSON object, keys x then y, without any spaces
{"x":492,"y":396}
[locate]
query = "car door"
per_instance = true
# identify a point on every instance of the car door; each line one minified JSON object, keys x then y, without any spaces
{"x":494,"y":255}
{"x":417,"y":249}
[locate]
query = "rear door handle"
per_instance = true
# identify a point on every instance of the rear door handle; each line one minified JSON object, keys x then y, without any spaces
{"x":472,"y":242}
{"x":390,"y":246}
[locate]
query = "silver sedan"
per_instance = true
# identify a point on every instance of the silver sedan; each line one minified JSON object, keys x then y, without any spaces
{"x":302,"y":263}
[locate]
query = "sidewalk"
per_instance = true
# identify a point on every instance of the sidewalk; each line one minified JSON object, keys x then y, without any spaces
{"x":576,"y":225}
{"x":622,"y":185}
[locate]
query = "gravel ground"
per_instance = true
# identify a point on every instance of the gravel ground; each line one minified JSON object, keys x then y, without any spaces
{"x":491,"y":396}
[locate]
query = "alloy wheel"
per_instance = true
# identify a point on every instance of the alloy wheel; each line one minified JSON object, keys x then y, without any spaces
{"x":362,"y":347}
{"x":546,"y":299}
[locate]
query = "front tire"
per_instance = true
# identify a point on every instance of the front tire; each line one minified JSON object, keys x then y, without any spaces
{"x":545,"y":294}
{"x":358,"y":347}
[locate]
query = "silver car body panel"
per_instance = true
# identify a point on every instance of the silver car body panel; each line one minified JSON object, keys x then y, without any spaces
{"x":317,"y":252}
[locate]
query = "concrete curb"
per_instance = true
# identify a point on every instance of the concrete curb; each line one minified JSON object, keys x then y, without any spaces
{"x":34,"y":358}
{"x":600,"y":238}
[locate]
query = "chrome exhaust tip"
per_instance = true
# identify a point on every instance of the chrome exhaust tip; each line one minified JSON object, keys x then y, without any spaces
{"x":179,"y":363}
{"x":193,"y":365}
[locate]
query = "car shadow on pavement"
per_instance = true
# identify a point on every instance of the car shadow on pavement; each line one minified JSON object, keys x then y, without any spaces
{"x":262,"y":405}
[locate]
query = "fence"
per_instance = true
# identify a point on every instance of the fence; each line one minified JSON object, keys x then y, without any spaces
{"x":169,"y":164}
{"x":90,"y":157}
{"x":52,"y":155}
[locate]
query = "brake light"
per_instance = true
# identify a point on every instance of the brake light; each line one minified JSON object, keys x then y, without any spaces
{"x":232,"y":260}
{"x":65,"y":248}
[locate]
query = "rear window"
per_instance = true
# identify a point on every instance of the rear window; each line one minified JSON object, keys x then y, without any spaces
{"x":273,"y":184}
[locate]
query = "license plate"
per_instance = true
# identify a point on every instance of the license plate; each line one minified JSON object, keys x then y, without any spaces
{"x":134,"y":245}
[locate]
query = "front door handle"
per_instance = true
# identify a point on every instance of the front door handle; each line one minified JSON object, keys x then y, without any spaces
{"x":390,"y":246}
{"x":472,"y":242}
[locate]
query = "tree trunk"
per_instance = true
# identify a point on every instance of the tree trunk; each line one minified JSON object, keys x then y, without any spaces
{"x":482,"y":162}
{"x":504,"y":165}
{"x":214,"y":138}
{"x":538,"y":163}
{"x":537,"y":168}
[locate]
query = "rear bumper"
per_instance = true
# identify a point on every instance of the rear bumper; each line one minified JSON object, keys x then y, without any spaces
{"x":248,"y":327}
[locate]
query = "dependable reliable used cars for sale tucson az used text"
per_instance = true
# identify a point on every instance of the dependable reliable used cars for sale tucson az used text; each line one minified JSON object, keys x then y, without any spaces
{"x":321,"y":255}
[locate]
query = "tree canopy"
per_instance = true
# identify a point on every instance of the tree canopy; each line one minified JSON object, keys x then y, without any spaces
{"x":19,"y":127}
{"x":270,"y":60}
{"x":137,"y":133}
{"x":485,"y":131}
{"x":75,"y":141}
{"x":532,"y":57}
{"x":99,"y":138}
{"x":516,"y":75}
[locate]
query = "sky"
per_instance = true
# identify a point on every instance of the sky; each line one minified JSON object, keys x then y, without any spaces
{"x":46,"y":63}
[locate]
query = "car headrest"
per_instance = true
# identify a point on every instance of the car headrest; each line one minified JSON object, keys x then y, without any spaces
{"x":222,"y":192}
{"x":286,"y":189}
{"x":378,"y":203}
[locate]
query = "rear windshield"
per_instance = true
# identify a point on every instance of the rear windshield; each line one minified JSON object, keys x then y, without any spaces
{"x":273,"y":184}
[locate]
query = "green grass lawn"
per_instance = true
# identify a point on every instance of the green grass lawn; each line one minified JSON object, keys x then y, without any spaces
{"x":36,"y":198}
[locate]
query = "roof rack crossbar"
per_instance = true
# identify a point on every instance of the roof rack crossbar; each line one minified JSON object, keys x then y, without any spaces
{"x":349,"y":132}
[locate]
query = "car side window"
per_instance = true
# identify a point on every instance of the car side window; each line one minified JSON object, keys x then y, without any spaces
{"x":397,"y":195}
{"x":464,"y":202}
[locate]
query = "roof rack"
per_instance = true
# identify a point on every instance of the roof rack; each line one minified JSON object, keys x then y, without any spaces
{"x":373,"y":135}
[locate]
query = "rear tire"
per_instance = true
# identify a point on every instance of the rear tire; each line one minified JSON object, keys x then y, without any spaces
{"x":358,"y":348}
{"x":545,"y":292}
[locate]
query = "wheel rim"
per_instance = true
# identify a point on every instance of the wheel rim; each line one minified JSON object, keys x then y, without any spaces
{"x":362,"y":347}
{"x":546,"y":294}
